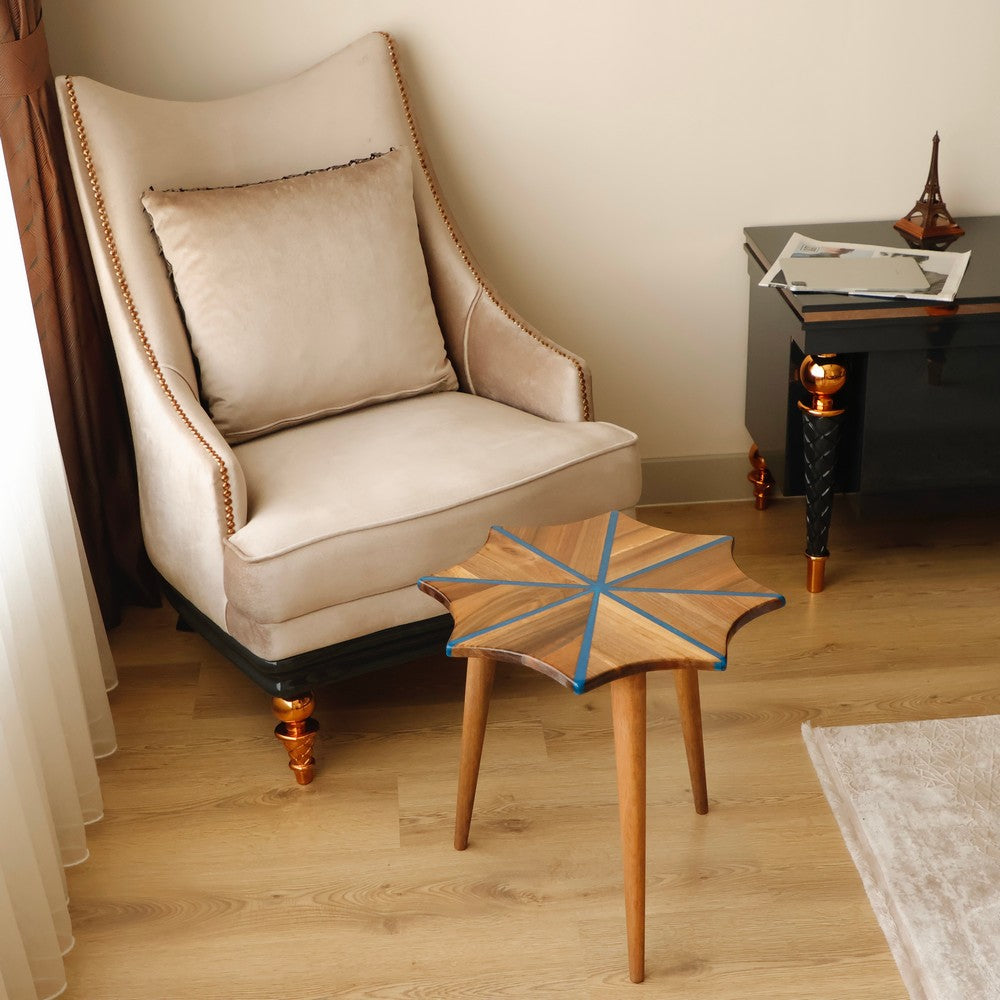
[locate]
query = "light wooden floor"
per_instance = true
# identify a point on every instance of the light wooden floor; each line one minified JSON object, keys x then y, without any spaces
{"x":213,"y":876}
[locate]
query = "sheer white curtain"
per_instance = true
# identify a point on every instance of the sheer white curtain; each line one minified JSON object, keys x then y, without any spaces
{"x":55,"y":664}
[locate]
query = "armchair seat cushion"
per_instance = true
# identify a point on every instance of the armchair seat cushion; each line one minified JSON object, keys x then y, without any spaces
{"x":366,"y":502}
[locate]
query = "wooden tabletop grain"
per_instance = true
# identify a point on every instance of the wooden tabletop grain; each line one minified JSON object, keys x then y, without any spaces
{"x":588,"y":602}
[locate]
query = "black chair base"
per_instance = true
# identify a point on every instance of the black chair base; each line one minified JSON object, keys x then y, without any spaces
{"x":294,"y":676}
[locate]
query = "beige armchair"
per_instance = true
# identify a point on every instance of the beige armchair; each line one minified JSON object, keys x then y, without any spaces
{"x":327,"y":399}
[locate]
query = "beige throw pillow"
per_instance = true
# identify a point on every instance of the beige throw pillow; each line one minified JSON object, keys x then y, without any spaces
{"x":305,"y":296}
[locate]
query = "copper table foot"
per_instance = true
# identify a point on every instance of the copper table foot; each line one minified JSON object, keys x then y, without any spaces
{"x":815,"y":573}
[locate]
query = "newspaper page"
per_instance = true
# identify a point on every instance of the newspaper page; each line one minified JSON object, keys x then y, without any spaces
{"x":943,"y":269}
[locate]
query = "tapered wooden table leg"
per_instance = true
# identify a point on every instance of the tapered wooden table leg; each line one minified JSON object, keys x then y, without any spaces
{"x":628,"y":709}
{"x":478,"y":687}
{"x":689,"y":704}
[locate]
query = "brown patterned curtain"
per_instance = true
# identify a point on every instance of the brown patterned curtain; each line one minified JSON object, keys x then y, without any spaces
{"x":83,"y":379}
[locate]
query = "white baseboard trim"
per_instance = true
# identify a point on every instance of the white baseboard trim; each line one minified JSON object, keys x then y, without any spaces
{"x":695,"y":479}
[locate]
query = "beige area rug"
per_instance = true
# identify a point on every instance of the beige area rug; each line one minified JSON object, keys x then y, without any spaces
{"x":919,"y":807}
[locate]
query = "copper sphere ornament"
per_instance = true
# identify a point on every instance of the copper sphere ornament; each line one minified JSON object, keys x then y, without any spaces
{"x":822,"y":377}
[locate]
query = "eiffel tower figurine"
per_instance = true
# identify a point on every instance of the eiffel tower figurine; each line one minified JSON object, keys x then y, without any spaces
{"x":929,"y":225}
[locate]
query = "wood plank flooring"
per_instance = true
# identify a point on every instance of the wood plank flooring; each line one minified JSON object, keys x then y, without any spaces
{"x":212,"y":875}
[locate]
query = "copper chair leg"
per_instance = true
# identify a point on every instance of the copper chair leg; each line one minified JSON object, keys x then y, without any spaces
{"x":297,"y":730}
{"x":760,"y":478}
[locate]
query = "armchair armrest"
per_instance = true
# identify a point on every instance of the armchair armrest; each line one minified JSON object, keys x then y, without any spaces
{"x":188,"y":504}
{"x":496,"y":354}
{"x":505,"y":359}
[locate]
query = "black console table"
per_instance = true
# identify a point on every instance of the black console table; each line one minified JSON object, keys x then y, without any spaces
{"x":869,"y":395}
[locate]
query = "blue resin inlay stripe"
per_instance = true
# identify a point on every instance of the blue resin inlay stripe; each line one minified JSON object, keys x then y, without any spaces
{"x":672,"y":559}
{"x":697,"y":593}
{"x":493,"y":583}
{"x":544,"y":555}
{"x":583,"y":660}
{"x":458,"y":640}
{"x":720,"y":658}
{"x":609,"y":540}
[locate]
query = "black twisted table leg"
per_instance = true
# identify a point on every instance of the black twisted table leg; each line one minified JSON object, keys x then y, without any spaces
{"x":823,"y":377}
{"x":820,"y":435}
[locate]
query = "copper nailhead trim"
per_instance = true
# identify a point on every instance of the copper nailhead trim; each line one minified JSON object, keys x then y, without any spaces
{"x":112,"y":247}
{"x":490,"y":294}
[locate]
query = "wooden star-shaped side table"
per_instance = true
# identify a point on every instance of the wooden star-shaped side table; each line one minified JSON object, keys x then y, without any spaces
{"x":599,"y":601}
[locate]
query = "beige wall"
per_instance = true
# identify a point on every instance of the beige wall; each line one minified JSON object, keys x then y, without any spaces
{"x":603,"y":156}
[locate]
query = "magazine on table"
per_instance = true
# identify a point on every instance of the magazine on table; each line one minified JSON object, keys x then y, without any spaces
{"x":863,"y":269}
